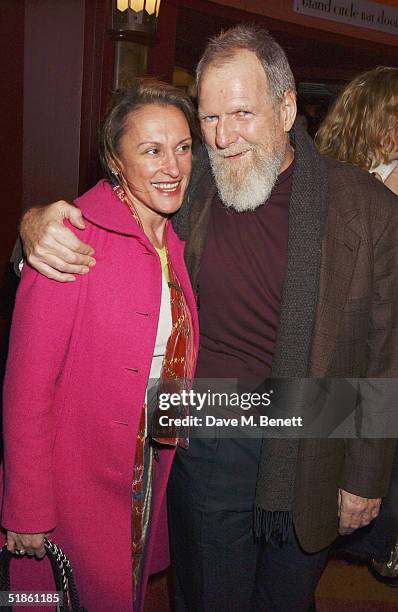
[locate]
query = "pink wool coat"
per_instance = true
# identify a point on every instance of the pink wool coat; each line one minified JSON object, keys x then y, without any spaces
{"x":79,"y":360}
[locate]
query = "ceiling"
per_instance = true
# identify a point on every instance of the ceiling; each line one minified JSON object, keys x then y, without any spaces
{"x":313,"y":54}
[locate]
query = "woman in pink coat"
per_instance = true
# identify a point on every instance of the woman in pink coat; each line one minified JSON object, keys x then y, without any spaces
{"x":80,"y":463}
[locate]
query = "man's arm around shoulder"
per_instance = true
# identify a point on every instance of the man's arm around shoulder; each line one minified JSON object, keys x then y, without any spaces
{"x":50,"y":247}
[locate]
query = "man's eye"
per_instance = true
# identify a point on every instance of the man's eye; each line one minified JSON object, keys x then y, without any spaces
{"x":152,"y":151}
{"x":208,"y":118}
{"x":243,"y":113}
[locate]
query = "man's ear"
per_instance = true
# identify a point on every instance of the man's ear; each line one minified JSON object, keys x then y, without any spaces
{"x":288,"y":110}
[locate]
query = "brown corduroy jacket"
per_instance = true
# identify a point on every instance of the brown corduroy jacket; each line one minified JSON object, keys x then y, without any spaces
{"x":355,"y":333}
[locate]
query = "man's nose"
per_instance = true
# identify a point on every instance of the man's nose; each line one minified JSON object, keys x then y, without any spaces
{"x":226,"y":134}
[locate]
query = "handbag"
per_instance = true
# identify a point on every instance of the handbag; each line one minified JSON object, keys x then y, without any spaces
{"x":62,"y":571}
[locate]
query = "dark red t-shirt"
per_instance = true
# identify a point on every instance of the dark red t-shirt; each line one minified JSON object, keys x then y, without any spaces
{"x":240,"y":286}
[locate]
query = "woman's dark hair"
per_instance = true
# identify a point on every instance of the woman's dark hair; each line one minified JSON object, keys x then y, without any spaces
{"x":125,"y":101}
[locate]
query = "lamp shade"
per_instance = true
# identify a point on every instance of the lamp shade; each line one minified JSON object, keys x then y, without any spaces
{"x":135,"y":15}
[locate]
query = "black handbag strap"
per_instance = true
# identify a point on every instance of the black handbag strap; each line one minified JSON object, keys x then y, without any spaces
{"x":5,"y":558}
{"x":62,"y":571}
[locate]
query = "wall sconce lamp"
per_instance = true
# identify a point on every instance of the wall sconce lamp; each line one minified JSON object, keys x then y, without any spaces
{"x":134,"y":19}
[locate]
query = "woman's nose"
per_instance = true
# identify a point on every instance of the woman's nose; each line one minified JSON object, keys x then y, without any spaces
{"x":170,"y":166}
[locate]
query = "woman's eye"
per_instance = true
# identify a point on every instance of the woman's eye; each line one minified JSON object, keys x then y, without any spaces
{"x":184,"y":148}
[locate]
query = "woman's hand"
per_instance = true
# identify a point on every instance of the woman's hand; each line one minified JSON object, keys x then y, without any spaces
{"x":50,"y":247}
{"x":30,"y":543}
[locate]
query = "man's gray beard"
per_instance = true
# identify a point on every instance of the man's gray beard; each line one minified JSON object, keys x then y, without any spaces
{"x":244,"y":185}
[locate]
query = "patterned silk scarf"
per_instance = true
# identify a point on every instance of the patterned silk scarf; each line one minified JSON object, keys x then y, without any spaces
{"x":176,"y":376}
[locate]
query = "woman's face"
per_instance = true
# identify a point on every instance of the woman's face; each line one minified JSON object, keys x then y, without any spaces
{"x":156,"y":158}
{"x":394,"y":153}
{"x":392,"y":138}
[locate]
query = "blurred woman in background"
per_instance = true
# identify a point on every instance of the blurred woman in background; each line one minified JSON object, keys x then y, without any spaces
{"x":362,"y":126}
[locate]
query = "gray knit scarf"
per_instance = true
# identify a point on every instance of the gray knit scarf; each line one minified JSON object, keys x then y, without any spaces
{"x":307,"y":214}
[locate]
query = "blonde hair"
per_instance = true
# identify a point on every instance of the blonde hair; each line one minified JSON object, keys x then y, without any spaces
{"x":362,"y":126}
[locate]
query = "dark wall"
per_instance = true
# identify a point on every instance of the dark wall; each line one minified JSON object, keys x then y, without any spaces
{"x":54,"y":45}
{"x":11,"y":126}
{"x":161,"y":57}
{"x":41,"y":72}
{"x":11,"y":113}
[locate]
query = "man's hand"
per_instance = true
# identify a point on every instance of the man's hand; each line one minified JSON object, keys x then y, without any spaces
{"x":355,"y":511}
{"x":30,"y":543}
{"x":50,"y":247}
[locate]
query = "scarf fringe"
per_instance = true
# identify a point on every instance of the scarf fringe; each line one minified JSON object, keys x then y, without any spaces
{"x":272,"y":523}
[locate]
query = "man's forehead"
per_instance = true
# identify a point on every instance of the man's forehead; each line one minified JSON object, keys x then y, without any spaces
{"x":241,"y":75}
{"x":233,"y":93}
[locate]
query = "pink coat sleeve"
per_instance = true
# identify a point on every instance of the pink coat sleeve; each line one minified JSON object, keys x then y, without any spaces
{"x":40,"y":336}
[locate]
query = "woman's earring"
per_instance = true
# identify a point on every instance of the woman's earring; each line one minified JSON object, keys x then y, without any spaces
{"x":115,"y":181}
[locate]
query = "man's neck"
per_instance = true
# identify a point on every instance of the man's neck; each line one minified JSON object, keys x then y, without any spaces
{"x":288,"y":159}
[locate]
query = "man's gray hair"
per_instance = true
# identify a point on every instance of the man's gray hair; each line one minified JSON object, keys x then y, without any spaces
{"x":222,"y":48}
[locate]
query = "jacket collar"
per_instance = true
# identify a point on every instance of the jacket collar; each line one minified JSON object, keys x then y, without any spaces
{"x":102,"y":207}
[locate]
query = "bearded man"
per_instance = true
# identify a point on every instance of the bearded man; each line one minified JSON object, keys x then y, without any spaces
{"x":294,"y":258}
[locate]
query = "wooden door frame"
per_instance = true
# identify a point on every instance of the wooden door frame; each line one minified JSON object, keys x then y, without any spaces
{"x":98,"y":76}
